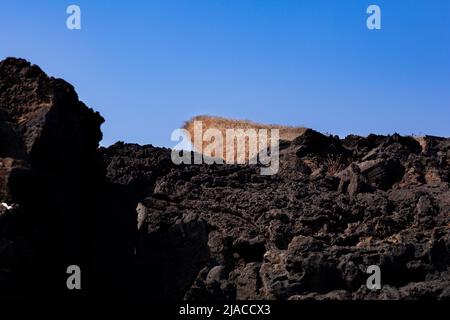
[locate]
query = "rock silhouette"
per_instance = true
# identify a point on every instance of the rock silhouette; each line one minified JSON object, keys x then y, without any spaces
{"x":53,"y":177}
{"x":140,"y":226}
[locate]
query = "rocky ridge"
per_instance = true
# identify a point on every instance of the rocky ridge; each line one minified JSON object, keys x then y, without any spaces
{"x":165,"y":231}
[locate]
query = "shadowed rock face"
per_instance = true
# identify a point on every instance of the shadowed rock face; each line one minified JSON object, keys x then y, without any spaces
{"x":310,"y":232}
{"x":140,"y":226}
{"x":51,"y":174}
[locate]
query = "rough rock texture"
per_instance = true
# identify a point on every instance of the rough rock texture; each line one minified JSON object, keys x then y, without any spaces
{"x":310,"y":232}
{"x":140,"y":226}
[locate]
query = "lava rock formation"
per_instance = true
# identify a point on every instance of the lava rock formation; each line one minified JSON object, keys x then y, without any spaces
{"x":140,"y":226}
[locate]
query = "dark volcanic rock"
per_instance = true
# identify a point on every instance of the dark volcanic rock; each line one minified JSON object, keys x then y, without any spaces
{"x":311,"y":231}
{"x":136,"y":167}
{"x":140,"y":226}
{"x":50,"y":174}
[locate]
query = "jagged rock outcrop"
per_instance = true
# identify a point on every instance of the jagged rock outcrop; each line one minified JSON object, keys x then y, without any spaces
{"x":311,"y":231}
{"x":50,"y":178}
{"x":141,"y":226}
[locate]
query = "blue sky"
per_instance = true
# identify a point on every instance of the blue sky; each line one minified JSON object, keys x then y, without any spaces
{"x":149,"y":65}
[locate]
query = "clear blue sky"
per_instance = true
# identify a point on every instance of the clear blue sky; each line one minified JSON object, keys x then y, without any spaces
{"x":149,"y":65}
